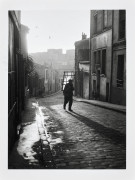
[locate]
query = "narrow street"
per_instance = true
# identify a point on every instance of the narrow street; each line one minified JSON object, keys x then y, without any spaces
{"x":90,"y":137}
{"x":47,"y":65}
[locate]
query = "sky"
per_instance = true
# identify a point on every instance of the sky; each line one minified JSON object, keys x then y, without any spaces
{"x":55,"y":29}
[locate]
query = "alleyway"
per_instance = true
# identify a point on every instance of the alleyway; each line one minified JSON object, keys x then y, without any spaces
{"x":90,"y":137}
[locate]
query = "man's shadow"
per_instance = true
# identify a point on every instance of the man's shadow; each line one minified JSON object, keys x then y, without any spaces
{"x":116,"y":136}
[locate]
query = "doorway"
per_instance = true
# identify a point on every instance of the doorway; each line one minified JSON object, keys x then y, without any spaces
{"x":98,"y":84}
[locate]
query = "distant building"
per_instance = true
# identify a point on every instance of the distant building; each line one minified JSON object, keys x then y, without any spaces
{"x":82,"y":64}
{"x":54,"y":51}
{"x":108,"y":55}
{"x":44,"y":80}
{"x":38,"y":57}
{"x":52,"y":80}
{"x":55,"y":58}
{"x":36,"y":81}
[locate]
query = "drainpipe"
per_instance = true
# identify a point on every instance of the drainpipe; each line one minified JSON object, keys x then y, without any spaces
{"x":90,"y":69}
{"x":90,"y":62}
{"x":110,"y":94}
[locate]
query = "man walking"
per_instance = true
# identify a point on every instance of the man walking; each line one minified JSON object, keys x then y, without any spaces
{"x":68,"y":95}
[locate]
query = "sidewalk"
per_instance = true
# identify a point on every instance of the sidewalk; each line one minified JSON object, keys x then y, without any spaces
{"x":31,"y":150}
{"x":115,"y":107}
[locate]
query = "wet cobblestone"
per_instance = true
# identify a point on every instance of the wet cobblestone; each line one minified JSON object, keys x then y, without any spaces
{"x":89,"y":138}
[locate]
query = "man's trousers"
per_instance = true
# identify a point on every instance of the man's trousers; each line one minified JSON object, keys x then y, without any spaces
{"x":66,"y":100}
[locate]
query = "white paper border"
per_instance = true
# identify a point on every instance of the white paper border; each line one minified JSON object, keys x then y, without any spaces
{"x":6,"y":5}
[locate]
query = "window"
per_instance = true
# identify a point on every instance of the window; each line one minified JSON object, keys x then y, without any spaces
{"x":103,"y":68}
{"x":94,"y":62}
{"x":46,"y":74}
{"x":120,"y":71}
{"x":84,"y":54}
{"x":95,"y":23}
{"x":104,"y":18}
{"x":121,"y":24}
{"x":94,"y":85}
{"x":98,"y":57}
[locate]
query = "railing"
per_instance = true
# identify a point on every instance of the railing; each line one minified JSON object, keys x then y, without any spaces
{"x":66,"y":76}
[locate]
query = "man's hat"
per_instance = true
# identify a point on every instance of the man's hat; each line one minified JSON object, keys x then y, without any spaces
{"x":70,"y":80}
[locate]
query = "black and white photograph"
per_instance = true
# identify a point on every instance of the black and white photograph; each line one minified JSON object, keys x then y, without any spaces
{"x":68,"y":109}
{"x":66,"y":76}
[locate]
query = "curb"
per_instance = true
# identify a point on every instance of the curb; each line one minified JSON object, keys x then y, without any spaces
{"x":102,"y":106}
{"x":45,"y":147}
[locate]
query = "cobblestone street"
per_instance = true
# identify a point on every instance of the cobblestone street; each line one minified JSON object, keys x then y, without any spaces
{"x":67,"y":103}
{"x":90,"y":137}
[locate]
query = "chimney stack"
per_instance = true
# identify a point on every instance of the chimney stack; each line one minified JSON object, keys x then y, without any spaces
{"x":84,"y":36}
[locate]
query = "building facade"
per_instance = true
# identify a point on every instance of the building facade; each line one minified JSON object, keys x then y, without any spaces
{"x":118,"y":88}
{"x":52,"y":80}
{"x":101,"y":54}
{"x":60,"y":61}
{"x":108,"y":56}
{"x":82,"y":64}
{"x":24,"y":53}
{"x":16,"y":75}
{"x":36,"y":81}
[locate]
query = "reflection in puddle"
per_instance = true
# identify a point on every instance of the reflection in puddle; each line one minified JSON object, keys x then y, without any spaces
{"x":35,"y":104}
{"x":56,"y":141}
{"x":46,"y":117}
{"x":59,"y":132}
{"x":25,"y":124}
{"x":55,"y":138}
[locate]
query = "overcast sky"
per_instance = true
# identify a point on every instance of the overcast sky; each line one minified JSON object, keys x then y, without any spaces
{"x":55,"y":28}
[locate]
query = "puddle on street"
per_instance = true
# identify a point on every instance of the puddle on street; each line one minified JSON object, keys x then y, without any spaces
{"x":25,"y":124}
{"x":59,"y":132}
{"x":46,"y":118}
{"x":56,"y":141}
